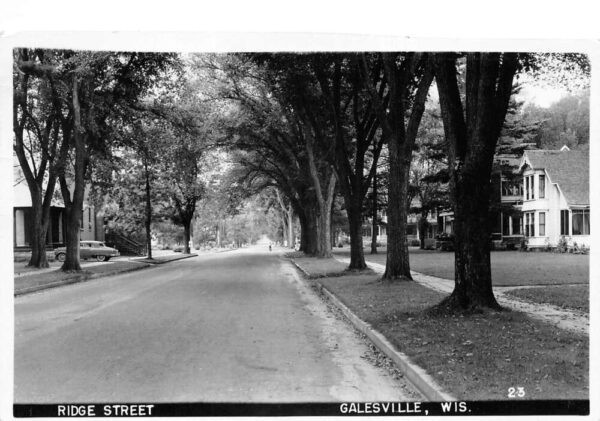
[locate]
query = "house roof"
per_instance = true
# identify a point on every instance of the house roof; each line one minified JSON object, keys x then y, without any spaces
{"x":569,"y":169}
{"x":512,"y":160}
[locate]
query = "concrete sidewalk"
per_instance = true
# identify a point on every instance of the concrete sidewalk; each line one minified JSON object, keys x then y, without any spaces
{"x":565,"y":319}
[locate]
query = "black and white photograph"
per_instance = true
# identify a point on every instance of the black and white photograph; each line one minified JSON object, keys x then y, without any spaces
{"x":196,"y":227}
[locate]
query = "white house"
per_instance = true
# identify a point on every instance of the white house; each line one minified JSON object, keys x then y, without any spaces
{"x":92,"y":227}
{"x":555,"y":197}
{"x":412,"y":222}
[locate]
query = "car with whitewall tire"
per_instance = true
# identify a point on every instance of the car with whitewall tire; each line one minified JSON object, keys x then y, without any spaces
{"x":89,"y":250}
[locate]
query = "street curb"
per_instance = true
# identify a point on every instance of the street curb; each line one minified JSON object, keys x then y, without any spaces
{"x":88,"y":277}
{"x":415,"y":374}
{"x":328,"y":274}
{"x":301,"y":269}
{"x":78,"y":279}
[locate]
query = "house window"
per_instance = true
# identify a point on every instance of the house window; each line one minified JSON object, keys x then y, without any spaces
{"x":581,"y":222}
{"x":542,"y":186}
{"x":516,"y":225}
{"x":564,"y":222}
{"x":505,"y":224}
{"x":512,"y":188}
{"x":542,"y":224}
{"x":511,"y":225}
{"x":531,"y":194}
{"x":448,"y":227}
{"x":529,"y":188}
{"x":530,"y":224}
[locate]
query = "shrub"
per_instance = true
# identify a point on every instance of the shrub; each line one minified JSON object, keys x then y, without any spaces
{"x":547,"y":246}
{"x":563,"y":244}
{"x":524,"y":244}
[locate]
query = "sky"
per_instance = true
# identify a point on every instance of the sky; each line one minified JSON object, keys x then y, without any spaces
{"x":541,"y":96}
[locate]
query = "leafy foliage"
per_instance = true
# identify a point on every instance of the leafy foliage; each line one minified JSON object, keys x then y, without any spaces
{"x":566,"y":122}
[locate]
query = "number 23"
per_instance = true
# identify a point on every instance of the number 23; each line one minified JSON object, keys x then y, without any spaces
{"x":516,"y":392}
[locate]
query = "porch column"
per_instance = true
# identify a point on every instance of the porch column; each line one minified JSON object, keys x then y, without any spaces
{"x":61,"y":238}
{"x":20,"y":228}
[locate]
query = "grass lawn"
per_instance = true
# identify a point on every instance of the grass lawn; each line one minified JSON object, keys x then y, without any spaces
{"x":575,"y":297}
{"x":477,"y":357}
{"x":319,"y":267}
{"x":509,"y":268}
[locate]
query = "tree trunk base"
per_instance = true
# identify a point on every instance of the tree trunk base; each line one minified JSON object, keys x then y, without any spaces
{"x":38,"y":265}
{"x":393,"y":279}
{"x":453,"y":305}
{"x":357,"y":266}
{"x":364,"y":270}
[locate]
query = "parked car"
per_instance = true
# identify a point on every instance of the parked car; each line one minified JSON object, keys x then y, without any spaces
{"x":444,"y":242}
{"x":89,"y":250}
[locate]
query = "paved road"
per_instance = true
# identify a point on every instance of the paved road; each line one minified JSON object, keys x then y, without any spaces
{"x":229,"y":327}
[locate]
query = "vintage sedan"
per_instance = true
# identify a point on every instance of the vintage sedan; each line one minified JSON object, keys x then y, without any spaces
{"x":89,"y":250}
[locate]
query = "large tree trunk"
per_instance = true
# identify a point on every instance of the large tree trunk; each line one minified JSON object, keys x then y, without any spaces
{"x":472,"y":135}
{"x":374,"y":218}
{"x":34,"y":180}
{"x":353,"y":201}
{"x":72,"y":261}
{"x":310,"y":232}
{"x":148,"y":222}
{"x":187,"y":234}
{"x":290,"y":225}
{"x":74,"y":206}
{"x":41,"y":222}
{"x":324,"y":235}
{"x":473,"y":275}
{"x":303,"y":232}
{"x":324,"y":199}
{"x":307,"y":231}
{"x":397,"y":263}
{"x":401,"y":136}
{"x":324,"y":219}
{"x":357,"y":254}
{"x":39,"y":232}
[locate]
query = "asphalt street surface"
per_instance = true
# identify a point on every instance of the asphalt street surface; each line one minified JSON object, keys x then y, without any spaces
{"x":238,"y":326}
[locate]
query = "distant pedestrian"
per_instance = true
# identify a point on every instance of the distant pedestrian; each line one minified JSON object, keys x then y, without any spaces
{"x":269,"y":247}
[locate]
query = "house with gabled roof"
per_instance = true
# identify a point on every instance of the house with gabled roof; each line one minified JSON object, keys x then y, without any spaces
{"x":92,"y":224}
{"x":556,"y":202}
